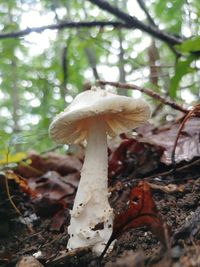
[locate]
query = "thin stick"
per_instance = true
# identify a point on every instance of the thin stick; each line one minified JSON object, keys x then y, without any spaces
{"x":165,"y":173}
{"x":189,"y":115}
{"x":8,"y":189}
{"x":146,"y":91}
{"x":134,"y":23}
{"x":10,"y":198}
{"x":63,"y":25}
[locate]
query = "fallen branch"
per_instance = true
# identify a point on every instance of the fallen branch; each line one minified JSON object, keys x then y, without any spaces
{"x":146,"y":91}
{"x":63,"y":25}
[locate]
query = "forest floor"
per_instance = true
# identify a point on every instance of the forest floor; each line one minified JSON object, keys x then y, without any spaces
{"x":43,"y":188}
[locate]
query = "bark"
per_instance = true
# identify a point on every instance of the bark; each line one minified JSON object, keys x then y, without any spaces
{"x":153,"y":57}
{"x":64,"y":63}
{"x":92,"y":61}
{"x":15,"y":97}
{"x":122,"y":73}
{"x":90,"y":54}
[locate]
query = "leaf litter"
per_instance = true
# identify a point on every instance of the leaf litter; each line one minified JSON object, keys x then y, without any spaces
{"x":45,"y":185}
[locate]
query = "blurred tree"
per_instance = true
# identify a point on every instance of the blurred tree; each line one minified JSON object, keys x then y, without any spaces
{"x":49,"y":50}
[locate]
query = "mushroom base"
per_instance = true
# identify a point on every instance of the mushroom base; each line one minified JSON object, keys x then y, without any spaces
{"x":92,"y":217}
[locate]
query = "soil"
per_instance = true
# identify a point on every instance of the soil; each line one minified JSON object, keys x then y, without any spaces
{"x":136,"y":247}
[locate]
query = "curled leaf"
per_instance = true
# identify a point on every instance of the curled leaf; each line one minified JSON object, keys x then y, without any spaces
{"x":134,"y":156}
{"x":141,"y":211}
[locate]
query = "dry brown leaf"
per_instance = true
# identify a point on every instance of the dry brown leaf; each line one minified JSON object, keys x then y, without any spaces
{"x":38,"y":165}
{"x":188,"y":146}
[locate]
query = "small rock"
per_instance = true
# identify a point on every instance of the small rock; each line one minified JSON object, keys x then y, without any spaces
{"x":28,"y":261}
{"x":177,"y":252}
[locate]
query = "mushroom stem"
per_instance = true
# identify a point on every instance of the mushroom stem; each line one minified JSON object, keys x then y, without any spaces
{"x":92,"y":217}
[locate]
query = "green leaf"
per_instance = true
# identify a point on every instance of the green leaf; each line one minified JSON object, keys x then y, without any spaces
{"x":11,"y":158}
{"x":182,"y":68}
{"x":191,"y":45}
{"x":166,"y":12}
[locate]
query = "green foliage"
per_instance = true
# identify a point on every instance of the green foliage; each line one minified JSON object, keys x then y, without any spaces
{"x":182,"y":68}
{"x":31,"y":68}
{"x":166,"y":12}
{"x":188,"y":46}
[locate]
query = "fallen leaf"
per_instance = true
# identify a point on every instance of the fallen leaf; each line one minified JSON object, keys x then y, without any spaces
{"x":23,"y":184}
{"x":6,"y":157}
{"x":188,"y":146}
{"x":141,"y":211}
{"x":46,"y":207}
{"x":51,"y":185}
{"x":134,"y":156}
{"x":192,"y":112}
{"x":116,"y":161}
{"x":54,"y":192}
{"x":38,"y":165}
{"x":50,"y":193}
{"x":59,"y":219}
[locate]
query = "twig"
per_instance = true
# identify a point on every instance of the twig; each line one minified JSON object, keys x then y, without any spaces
{"x":63,"y":25}
{"x":8,"y":189}
{"x":13,"y":204}
{"x":23,"y":161}
{"x":163,"y":174}
{"x":189,"y":229}
{"x":189,"y":115}
{"x":144,"y":8}
{"x":182,"y":168}
{"x":64,"y":62}
{"x":50,"y":150}
{"x":10,"y":198}
{"x":147,"y":92}
{"x":69,"y":258}
{"x":30,"y":236}
{"x":135,"y":23}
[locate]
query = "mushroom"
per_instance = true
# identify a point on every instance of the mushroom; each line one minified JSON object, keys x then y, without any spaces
{"x":91,"y":116}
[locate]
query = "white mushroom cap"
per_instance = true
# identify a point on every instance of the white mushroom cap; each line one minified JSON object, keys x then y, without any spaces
{"x":120,"y":114}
